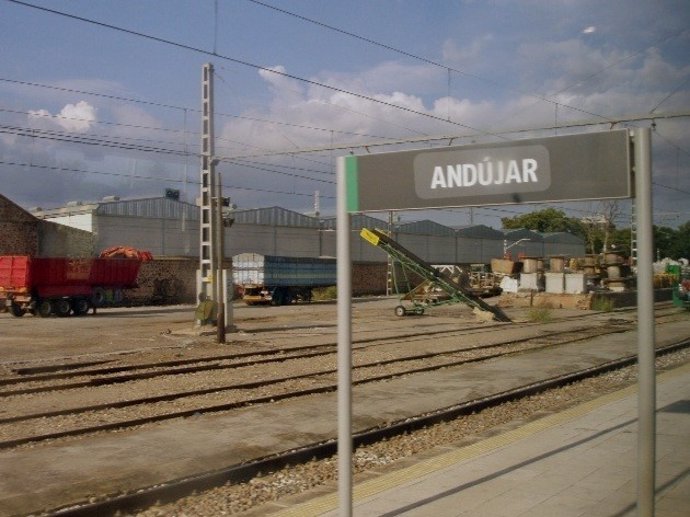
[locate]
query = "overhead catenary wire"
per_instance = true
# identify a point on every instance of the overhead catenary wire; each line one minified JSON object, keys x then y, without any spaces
{"x":469,"y":74}
{"x":252,"y":65}
{"x":238,"y":160}
{"x":340,"y":90}
{"x":149,"y":178}
{"x":291,"y":152}
{"x":272,"y":70}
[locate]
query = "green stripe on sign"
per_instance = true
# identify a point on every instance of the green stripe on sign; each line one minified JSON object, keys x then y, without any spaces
{"x":352,"y":184}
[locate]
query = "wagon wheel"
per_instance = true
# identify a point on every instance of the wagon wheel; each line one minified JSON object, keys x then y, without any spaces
{"x":81,"y":306}
{"x":98,"y":297}
{"x":44,"y":308}
{"x":63,"y":307}
{"x":16,"y":310}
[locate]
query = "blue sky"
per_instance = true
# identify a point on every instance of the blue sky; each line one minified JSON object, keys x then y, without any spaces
{"x":88,"y":111}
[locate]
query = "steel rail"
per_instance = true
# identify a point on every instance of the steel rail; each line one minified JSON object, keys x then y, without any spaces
{"x":267,"y":399}
{"x":175,"y":489}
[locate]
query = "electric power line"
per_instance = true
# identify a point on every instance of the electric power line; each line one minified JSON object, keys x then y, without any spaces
{"x":149,"y":178}
{"x":250,"y":65}
{"x":476,"y":76}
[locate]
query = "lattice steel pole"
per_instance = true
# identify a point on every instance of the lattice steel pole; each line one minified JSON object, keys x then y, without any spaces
{"x":207,"y":288}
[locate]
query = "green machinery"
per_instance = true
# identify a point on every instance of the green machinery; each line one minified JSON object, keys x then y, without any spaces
{"x":437,"y":287}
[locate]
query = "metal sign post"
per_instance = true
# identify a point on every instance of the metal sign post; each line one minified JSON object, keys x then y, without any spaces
{"x":564,"y":168}
{"x":344,"y":345}
{"x":646,"y":431}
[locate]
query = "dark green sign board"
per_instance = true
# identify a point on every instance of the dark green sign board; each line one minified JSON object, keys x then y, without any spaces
{"x":561,"y":168}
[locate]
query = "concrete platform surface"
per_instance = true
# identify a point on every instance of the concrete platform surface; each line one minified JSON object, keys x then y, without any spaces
{"x":577,"y":463}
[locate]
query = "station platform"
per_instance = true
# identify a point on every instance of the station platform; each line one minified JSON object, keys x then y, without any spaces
{"x":580,"y":462}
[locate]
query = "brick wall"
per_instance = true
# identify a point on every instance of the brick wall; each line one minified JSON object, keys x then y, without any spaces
{"x":58,"y":240}
{"x":369,"y":278}
{"x":18,"y":230}
{"x":165,"y":280}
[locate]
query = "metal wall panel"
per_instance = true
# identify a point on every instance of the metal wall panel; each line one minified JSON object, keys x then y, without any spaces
{"x":169,"y":227}
{"x":250,"y":238}
{"x":297,"y":242}
{"x":468,"y":251}
{"x":162,"y":237}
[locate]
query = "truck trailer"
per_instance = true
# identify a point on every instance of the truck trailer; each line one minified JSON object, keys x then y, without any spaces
{"x":64,"y":286}
{"x":278,"y":280}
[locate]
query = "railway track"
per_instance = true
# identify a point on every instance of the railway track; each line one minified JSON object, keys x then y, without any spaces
{"x":261,"y":386}
{"x":109,"y":411}
{"x":99,"y":373}
{"x":172,"y":491}
{"x":42,"y":417}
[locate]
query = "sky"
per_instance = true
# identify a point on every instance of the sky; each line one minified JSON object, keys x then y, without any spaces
{"x":103,"y":97}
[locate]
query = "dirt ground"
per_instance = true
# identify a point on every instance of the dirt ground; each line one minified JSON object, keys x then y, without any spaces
{"x":122,"y":330}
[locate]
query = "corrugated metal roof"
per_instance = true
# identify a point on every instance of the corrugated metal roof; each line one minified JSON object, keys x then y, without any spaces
{"x":358,"y":221}
{"x":562,"y":238}
{"x":275,"y":216}
{"x":425,"y":227}
{"x":479,"y":231}
{"x":523,"y":233}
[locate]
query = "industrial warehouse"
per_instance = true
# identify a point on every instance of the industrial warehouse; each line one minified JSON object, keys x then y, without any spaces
{"x":169,"y":230}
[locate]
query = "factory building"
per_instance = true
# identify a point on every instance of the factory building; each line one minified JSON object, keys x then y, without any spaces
{"x":169,"y":229}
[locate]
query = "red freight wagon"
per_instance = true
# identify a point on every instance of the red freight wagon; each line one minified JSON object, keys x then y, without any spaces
{"x":63,"y":286}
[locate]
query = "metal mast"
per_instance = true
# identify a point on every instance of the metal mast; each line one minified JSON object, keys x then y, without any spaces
{"x":208,"y":267}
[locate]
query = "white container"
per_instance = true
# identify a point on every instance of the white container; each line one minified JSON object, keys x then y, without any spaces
{"x":530,"y":281}
{"x":555,"y":283}
{"x":575,"y":283}
{"x":509,"y":285}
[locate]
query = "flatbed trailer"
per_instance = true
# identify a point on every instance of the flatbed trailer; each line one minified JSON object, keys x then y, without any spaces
{"x":63,"y":286}
{"x":437,"y":287}
{"x":280,"y":280}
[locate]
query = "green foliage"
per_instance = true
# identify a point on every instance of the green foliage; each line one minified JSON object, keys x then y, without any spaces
{"x":668,"y":242}
{"x":620,"y":241}
{"x":325,"y":293}
{"x":679,"y":247}
{"x":546,"y":220}
{"x":539,"y":314}
{"x":602,"y":304}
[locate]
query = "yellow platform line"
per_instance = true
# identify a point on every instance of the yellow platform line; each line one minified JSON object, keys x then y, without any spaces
{"x":327,"y":503}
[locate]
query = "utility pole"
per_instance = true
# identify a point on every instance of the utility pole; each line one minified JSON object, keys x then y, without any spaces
{"x":207,"y":223}
{"x":210,"y":286}
{"x":389,"y":264}
{"x":220,"y":259}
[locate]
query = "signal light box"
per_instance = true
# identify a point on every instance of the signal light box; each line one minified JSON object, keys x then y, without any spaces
{"x":560,"y":168}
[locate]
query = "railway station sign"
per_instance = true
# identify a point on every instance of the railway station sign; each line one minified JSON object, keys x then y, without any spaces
{"x":561,"y":168}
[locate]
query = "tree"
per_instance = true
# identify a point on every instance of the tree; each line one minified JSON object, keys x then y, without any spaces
{"x":620,"y":241}
{"x":599,"y":227}
{"x":546,"y":220}
{"x":679,"y":247}
{"x":664,"y":238}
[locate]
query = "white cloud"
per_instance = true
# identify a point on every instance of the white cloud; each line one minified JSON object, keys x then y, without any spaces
{"x":77,"y":117}
{"x":73,"y":117}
